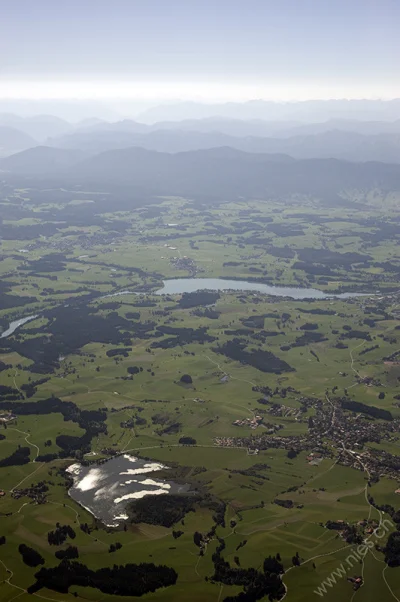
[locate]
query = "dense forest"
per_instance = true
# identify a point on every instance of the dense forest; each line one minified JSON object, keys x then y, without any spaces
{"x":92,"y":421}
{"x":262,"y":360}
{"x":165,"y":510}
{"x":20,"y":456}
{"x":392,"y":549}
{"x":30,"y":556}
{"x":256,"y":584}
{"x":358,"y":406}
{"x":59,"y":536}
{"x":128,"y":580}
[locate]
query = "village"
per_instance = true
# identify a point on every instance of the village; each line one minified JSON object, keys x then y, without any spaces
{"x":332,"y":432}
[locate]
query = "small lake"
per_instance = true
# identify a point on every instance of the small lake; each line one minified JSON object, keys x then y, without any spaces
{"x":106,"y":489}
{"x":16,"y":324}
{"x":191,"y":285}
{"x":118,"y":294}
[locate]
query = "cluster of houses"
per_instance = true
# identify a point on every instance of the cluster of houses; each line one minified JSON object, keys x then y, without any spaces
{"x":357,"y":582}
{"x":7,"y":417}
{"x":37,"y":493}
{"x":253,"y":422}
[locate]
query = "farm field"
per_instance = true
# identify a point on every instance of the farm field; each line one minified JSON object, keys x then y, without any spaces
{"x":281,"y":414}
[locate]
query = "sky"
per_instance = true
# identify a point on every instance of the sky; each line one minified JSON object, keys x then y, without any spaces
{"x":209,"y":50}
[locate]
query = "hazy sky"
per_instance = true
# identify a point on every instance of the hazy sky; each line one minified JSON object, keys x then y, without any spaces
{"x":200,"y":49}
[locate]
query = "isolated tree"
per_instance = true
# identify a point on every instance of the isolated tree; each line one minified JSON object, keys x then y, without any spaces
{"x":186,"y":379}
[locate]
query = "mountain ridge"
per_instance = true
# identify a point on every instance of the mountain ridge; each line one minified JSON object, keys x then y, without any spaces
{"x":335,"y":143}
{"x":213,"y":173}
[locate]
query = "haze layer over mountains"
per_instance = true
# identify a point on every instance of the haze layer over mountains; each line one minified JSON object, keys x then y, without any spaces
{"x":227,"y":150}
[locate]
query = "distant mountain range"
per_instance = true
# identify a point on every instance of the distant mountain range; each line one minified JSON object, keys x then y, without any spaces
{"x":12,"y":140}
{"x":220,"y":173}
{"x":41,"y":161}
{"x":39,"y":127}
{"x":309,"y":111}
{"x":243,"y":128}
{"x":350,"y":146}
{"x":342,"y":139}
{"x":255,"y":150}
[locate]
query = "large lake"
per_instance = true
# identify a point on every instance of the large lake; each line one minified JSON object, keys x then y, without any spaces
{"x":177,"y":286}
{"x":190,"y":285}
{"x":106,"y":489}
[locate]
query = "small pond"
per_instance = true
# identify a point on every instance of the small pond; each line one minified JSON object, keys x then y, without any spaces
{"x":16,"y":324}
{"x":106,"y":489}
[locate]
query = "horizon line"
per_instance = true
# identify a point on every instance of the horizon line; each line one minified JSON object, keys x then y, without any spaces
{"x":201,"y":91}
{"x":168,"y":101}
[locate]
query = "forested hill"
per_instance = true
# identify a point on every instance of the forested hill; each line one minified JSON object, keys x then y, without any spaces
{"x":220,"y":172}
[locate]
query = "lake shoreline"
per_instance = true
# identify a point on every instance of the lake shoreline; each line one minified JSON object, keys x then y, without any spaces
{"x":179,"y":286}
{"x":175,"y":286}
{"x":106,"y":488}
